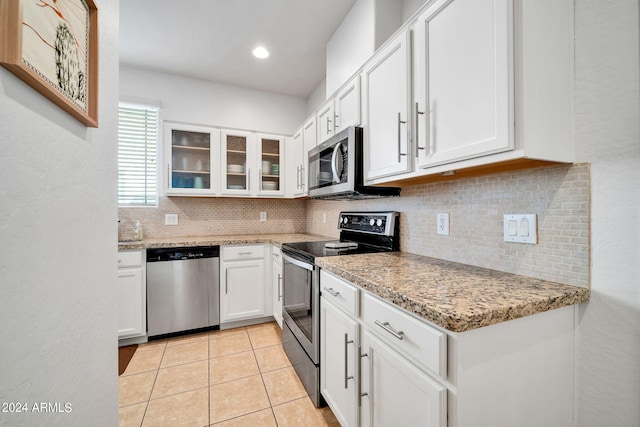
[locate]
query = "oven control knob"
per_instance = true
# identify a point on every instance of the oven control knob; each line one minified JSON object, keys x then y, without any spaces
{"x":345,"y":219}
{"x":378,"y":222}
{"x":372,"y":222}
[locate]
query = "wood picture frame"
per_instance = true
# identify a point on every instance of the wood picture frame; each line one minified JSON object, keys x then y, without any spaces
{"x":53,"y":46}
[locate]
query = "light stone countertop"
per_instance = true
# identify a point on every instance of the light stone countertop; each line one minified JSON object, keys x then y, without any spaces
{"x":234,"y":239}
{"x":456,"y":296}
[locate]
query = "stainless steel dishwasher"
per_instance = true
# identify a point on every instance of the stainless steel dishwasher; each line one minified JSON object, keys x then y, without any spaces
{"x":183,"y":289}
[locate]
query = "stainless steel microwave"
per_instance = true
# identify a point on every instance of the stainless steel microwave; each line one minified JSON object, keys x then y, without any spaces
{"x":336,"y":169}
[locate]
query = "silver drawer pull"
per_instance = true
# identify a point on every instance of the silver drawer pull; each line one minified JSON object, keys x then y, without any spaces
{"x":245,"y":253}
{"x":386,"y":327}
{"x":347,"y":377}
{"x":332,"y":291}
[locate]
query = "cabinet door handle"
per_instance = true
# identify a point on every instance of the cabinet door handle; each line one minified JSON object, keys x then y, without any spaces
{"x":248,"y":179}
{"x":387,"y":327}
{"x":432,"y":131}
{"x":335,"y":121}
{"x":360,"y":394}
{"x":259,"y":179}
{"x":347,"y":341}
{"x":418,"y":112}
{"x":298,"y":177}
{"x":328,"y":129}
{"x":332,"y":291}
{"x":245,"y":253}
{"x":301,"y":176}
{"x":226,"y":281}
{"x":168,"y":176}
{"x":400,"y":123}
{"x":279,"y":287}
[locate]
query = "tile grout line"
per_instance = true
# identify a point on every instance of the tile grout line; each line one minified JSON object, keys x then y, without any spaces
{"x":153,"y":385}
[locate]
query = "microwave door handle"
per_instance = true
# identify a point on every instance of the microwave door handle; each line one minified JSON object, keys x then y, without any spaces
{"x":334,"y":167}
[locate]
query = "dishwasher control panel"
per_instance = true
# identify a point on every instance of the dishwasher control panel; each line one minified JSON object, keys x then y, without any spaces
{"x":182,"y":253}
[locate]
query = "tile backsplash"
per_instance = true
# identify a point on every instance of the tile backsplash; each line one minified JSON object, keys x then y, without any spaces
{"x":203,"y":216}
{"x":559,"y":195}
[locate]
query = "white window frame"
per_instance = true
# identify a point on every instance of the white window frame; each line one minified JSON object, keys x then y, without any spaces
{"x":143,"y":193}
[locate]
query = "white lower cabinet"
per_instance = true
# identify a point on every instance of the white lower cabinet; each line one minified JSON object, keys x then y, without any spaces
{"x":382,"y":366}
{"x":131,"y":289}
{"x":242,"y":283}
{"x":395,"y":392}
{"x":365,"y":381}
{"x":276,"y":282}
{"x":338,"y":354}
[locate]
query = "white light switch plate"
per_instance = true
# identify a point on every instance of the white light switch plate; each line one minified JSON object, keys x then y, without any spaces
{"x":520,"y":228}
{"x":263,"y":216}
{"x":171,"y":219}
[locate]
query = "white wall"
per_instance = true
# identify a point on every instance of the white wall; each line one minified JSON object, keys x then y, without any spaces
{"x":206,"y":103}
{"x":58,"y":231}
{"x":317,"y":98}
{"x":607,"y":132}
{"x":351,"y":45}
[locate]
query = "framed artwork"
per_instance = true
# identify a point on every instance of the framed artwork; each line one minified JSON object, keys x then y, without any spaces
{"x":53,"y":46}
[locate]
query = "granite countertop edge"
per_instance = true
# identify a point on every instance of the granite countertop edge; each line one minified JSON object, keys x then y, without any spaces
{"x":470,"y":297}
{"x":219,"y":240}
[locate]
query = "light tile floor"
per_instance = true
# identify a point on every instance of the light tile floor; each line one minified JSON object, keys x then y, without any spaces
{"x":237,"y":377}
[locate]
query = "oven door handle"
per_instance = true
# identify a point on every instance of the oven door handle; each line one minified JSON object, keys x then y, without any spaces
{"x":297,"y":262}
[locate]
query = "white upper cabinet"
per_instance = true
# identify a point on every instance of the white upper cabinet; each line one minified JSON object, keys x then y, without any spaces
{"x":297,"y":165}
{"x":238,"y":154}
{"x":270,"y":165}
{"x":463,"y":80}
{"x":385,"y":86}
{"x":339,"y":112}
{"x":251,"y":164}
{"x":325,"y":121}
{"x":191,"y":160}
{"x":347,"y":106}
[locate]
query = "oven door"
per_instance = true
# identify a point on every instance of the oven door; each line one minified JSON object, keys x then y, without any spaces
{"x":301,"y":305}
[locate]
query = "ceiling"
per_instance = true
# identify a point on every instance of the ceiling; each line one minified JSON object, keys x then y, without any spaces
{"x":213,"y":39}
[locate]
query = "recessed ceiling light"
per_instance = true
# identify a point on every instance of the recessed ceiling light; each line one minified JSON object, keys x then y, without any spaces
{"x":260,"y":52}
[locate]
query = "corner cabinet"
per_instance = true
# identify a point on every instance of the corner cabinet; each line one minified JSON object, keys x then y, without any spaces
{"x":385,"y":86}
{"x":132,"y":296}
{"x":191,"y":160}
{"x":463,"y":80}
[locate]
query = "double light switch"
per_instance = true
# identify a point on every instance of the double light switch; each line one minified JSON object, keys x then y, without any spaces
{"x":520,"y":228}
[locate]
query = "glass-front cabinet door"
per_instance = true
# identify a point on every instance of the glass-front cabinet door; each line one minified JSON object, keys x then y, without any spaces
{"x":238,"y":162}
{"x":271,"y":165}
{"x":191,"y":160}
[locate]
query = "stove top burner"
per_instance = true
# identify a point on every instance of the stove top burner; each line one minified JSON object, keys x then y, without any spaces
{"x":360,"y":233}
{"x":340,"y":245}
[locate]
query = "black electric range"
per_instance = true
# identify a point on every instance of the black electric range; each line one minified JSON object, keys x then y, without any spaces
{"x":360,"y":233}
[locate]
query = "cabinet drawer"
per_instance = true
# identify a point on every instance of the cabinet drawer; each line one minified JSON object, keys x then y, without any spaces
{"x":423,"y":344}
{"x":276,"y":254}
{"x":339,"y":292}
{"x":130,"y":258}
{"x":231,"y":253}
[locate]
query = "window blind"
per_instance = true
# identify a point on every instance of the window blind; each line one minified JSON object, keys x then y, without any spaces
{"x":137,"y":152}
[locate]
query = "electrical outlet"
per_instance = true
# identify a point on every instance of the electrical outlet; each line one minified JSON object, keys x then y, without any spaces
{"x":171,"y":219}
{"x":324,"y":218}
{"x":263,"y":216}
{"x":442,"y":224}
